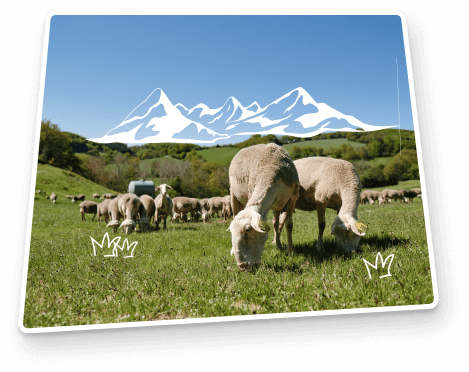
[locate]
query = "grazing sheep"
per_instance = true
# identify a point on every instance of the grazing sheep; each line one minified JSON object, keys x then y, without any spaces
{"x":175,"y":218}
{"x":227,"y":211}
{"x":53,"y":197}
{"x":371,"y":196}
{"x":262,"y":177}
{"x":131,"y":207}
{"x":163,"y":205}
{"x":103,"y":211}
{"x":417,"y":190}
{"x":78,"y":197}
{"x":38,"y":192}
{"x":96,"y":196}
{"x":363,"y":198}
{"x":215,"y":205}
{"x":197,"y":216}
{"x":114,"y":214}
{"x":89,"y":207}
{"x":149,"y":205}
{"x":184,"y":205}
{"x":69,"y":196}
{"x":408,"y":194}
{"x":205,"y":204}
{"x":390,"y":194}
{"x":335,"y":184}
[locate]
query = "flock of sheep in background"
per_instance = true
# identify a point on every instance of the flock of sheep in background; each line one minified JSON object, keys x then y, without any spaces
{"x":262,"y":178}
{"x":388,"y":195}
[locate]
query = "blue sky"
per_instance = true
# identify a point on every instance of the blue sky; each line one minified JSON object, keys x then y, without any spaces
{"x":99,"y":68}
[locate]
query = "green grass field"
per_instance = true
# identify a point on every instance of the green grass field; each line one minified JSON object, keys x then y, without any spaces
{"x":187,"y":271}
{"x":325,"y":144}
{"x":220,"y":155}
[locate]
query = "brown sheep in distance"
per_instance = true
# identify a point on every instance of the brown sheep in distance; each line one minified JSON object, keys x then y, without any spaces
{"x":103,"y":211}
{"x":89,"y":207}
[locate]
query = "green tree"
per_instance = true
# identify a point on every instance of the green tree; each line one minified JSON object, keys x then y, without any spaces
{"x":55,"y":149}
{"x":403,"y":166}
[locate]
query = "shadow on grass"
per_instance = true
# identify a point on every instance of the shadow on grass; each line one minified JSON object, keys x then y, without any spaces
{"x":332,"y":252}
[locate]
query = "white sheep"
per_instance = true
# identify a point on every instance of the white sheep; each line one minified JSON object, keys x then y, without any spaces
{"x":175,"y":217}
{"x":391,"y":194}
{"x":149,"y":205}
{"x":184,"y":205}
{"x":331,"y":183}
{"x":163,"y":205}
{"x":114,"y":214}
{"x":130,"y":208}
{"x":262,"y":177}
{"x":78,"y":197}
{"x":417,"y":190}
{"x":371,"y":196}
{"x":53,"y":197}
{"x":89,"y":207}
{"x":227,"y":211}
{"x":409,"y":195}
{"x":96,"y":196}
{"x":103,"y":211}
{"x":215,"y":205}
{"x":205,"y":204}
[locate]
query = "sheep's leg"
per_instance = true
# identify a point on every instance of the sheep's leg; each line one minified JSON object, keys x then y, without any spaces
{"x":164,"y":221}
{"x":93,"y":217}
{"x":157,"y":221}
{"x":287,"y":219}
{"x":235,"y":205}
{"x":321,"y":208}
{"x":276,"y":223}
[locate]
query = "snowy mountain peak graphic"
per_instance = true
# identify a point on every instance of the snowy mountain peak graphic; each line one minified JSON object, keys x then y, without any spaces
{"x":296,"y":113}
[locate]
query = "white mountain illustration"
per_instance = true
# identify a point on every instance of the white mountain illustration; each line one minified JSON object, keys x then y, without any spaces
{"x":296,"y":113}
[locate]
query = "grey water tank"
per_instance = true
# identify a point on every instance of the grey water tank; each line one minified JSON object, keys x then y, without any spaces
{"x":142,"y":187}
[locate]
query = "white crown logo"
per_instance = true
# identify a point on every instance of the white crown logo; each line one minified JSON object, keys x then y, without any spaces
{"x":114,"y":243}
{"x":375,"y":266}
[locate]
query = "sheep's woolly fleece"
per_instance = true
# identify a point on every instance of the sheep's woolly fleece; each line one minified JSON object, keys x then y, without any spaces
{"x":264,"y":165}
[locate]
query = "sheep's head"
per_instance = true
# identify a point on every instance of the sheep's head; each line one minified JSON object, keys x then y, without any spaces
{"x":144,"y":223}
{"x":205,"y":216}
{"x":128,"y":226}
{"x":347,"y":235}
{"x":114,"y":224}
{"x":248,"y":236}
{"x":163,"y":188}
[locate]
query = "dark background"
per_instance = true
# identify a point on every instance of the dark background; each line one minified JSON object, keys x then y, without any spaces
{"x":422,"y":340}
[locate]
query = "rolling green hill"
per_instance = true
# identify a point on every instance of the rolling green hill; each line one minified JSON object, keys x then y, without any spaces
{"x":326,"y":144}
{"x":220,"y":155}
{"x":63,"y":183}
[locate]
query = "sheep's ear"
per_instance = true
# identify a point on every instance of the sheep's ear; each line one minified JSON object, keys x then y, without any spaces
{"x":357,"y":227}
{"x":169,"y":187}
{"x":258,"y":224}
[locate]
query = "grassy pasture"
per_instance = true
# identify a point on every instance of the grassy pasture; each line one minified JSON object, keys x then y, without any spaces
{"x":187,"y":271}
{"x":63,"y":183}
